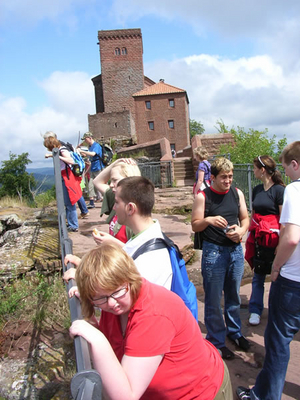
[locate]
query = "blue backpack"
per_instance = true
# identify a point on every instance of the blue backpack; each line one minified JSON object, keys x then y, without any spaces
{"x":181,"y":284}
{"x":79,"y":164}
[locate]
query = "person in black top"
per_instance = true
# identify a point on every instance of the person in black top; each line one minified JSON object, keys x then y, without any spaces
{"x":223,"y":226}
{"x":267,"y":200}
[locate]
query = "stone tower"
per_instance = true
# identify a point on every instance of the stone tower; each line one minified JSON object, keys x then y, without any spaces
{"x":122,"y":71}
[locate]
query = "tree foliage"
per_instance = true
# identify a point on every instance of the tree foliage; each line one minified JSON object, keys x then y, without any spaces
{"x":14,"y":179}
{"x":248,"y":145}
{"x":196,"y":128}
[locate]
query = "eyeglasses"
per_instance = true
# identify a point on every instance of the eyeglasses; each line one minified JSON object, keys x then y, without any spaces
{"x":116,"y":295}
{"x":259,"y":159}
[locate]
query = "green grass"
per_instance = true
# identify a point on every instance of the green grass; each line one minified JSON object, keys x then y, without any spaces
{"x":36,"y":298}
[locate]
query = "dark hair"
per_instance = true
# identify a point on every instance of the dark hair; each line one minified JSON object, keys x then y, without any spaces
{"x":138,"y":190}
{"x":269,"y":164}
{"x":291,"y":152}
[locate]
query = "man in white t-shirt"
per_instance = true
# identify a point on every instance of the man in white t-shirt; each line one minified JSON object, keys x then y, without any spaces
{"x":284,"y":299}
{"x":134,"y":201}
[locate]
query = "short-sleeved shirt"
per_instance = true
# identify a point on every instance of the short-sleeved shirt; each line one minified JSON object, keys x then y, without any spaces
{"x":267,"y":202}
{"x":205,"y":167}
{"x":160,"y":323}
{"x":96,"y":163}
{"x":290,"y":215}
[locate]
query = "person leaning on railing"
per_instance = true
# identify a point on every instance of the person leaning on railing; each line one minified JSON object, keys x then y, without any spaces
{"x":147,"y":344}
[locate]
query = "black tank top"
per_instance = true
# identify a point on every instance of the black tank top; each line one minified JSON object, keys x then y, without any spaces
{"x":225,"y":205}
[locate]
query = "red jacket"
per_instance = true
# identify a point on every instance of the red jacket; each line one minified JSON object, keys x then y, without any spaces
{"x":264,"y":229}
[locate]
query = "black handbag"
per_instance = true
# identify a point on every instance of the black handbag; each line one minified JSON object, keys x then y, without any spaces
{"x":198,"y":239}
{"x":263,"y":259}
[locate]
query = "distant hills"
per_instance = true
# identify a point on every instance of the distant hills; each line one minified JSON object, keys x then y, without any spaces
{"x":41,"y":173}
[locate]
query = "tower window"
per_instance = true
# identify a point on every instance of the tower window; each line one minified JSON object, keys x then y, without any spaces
{"x":171,"y":103}
{"x":148,"y":105}
{"x":171,"y":123}
{"x":117,"y":51}
{"x":124,"y":50}
{"x":151,"y":125}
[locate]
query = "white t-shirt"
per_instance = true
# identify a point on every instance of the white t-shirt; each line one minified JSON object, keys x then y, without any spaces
{"x":290,"y":214}
{"x":155,"y":266}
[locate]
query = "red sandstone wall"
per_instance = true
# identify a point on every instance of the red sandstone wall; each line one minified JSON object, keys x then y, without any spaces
{"x":160,"y":113}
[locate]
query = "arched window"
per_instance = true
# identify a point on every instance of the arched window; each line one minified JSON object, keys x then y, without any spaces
{"x":124,"y":51}
{"x":117,"y":51}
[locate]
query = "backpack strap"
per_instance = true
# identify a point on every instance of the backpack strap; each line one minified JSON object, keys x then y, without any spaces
{"x":150,"y":245}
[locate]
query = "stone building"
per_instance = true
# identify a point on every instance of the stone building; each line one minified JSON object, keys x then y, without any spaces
{"x":131,"y":106}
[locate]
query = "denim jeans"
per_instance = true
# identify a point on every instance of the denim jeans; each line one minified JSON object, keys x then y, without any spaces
{"x":283,"y":324}
{"x":71,"y":211}
{"x":222,"y":270}
{"x":82,"y":206}
{"x":256,"y":303}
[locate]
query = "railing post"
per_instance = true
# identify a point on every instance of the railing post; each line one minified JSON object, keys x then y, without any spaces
{"x":86,"y":384}
{"x":249,"y":175}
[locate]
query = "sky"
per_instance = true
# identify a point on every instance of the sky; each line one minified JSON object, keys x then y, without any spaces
{"x":238,"y":60}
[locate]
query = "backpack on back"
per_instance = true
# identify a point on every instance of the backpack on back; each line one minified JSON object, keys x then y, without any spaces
{"x":79,"y":164}
{"x":198,"y":239}
{"x":107,"y":154}
{"x":181,"y":284}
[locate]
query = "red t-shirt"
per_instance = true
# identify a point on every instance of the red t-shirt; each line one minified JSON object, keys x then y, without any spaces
{"x":121,"y":234}
{"x":160,"y":323}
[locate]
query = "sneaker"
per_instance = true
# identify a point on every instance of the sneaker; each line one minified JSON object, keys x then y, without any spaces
{"x":84,"y":215}
{"x":91,"y":206}
{"x":72,"y":229}
{"x":243,"y":393}
{"x":241,"y":342}
{"x":254,"y":319}
{"x":225,"y":353}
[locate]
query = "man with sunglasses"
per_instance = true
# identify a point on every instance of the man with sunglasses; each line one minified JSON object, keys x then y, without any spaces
{"x":284,"y":298}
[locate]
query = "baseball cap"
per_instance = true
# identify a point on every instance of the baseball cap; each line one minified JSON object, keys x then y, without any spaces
{"x":86,"y":135}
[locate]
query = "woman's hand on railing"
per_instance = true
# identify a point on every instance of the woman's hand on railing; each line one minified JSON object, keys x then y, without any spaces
{"x":70,"y":274}
{"x":72,"y":259}
{"x":74,"y":292}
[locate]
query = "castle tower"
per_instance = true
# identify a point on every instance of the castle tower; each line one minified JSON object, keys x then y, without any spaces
{"x":122,"y":71}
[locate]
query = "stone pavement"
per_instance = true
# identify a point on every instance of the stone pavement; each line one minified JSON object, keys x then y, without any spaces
{"x":245,"y":367}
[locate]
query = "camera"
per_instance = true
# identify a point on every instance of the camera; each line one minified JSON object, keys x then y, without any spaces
{"x":228,"y":229}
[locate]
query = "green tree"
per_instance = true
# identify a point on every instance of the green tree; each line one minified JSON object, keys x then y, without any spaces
{"x":248,"y":145}
{"x":196,"y":128}
{"x":14,"y":179}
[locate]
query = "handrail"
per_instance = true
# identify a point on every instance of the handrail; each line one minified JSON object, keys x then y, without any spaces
{"x":86,"y":383}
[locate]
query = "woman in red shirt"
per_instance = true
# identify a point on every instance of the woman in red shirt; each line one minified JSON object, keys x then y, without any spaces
{"x":147,"y":344}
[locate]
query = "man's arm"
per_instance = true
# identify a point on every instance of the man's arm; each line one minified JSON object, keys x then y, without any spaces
{"x":239,"y":231}
{"x":289,"y":239}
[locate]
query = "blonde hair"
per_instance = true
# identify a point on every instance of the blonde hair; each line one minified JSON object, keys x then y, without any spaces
{"x":221,"y":164}
{"x":201,"y":152}
{"x":127,"y":170}
{"x":106,"y":267}
{"x":291,"y":152}
{"x":51,"y":142}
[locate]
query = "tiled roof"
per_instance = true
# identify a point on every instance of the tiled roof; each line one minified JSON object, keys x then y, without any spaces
{"x":158,"y":88}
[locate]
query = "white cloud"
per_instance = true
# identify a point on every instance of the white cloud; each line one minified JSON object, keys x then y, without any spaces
{"x":30,"y":12}
{"x":250,"y":92}
{"x":71,"y":99}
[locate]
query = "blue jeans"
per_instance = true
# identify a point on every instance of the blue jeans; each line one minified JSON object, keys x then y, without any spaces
{"x":283,"y":324}
{"x":222,"y":270}
{"x":71,"y":212}
{"x":256,"y":303}
{"x":82,"y":206}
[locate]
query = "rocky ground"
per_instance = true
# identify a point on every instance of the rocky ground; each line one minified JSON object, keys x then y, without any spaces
{"x":36,"y":363}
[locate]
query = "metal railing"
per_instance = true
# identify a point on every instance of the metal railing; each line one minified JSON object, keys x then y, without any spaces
{"x":159,"y":172}
{"x":86,"y":383}
{"x":244,"y":179}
